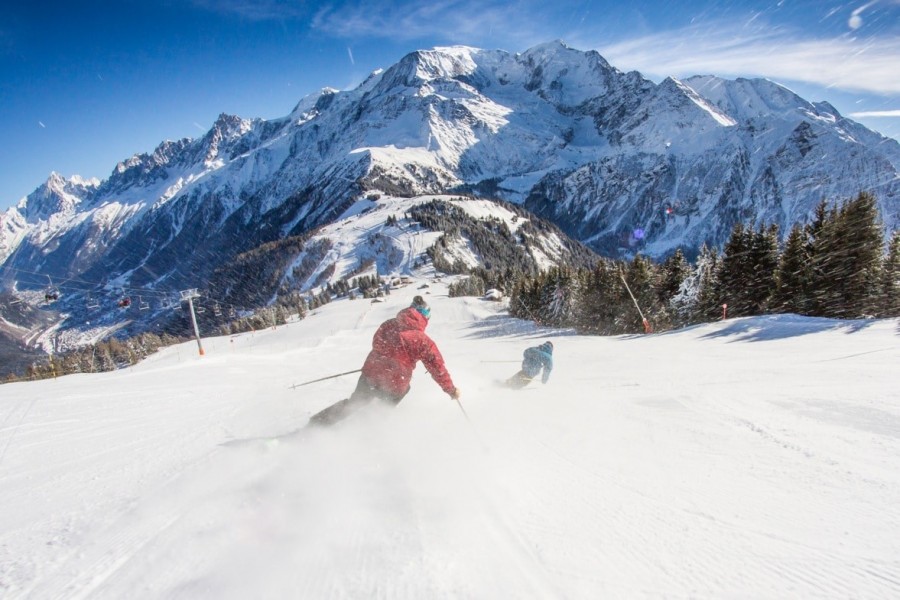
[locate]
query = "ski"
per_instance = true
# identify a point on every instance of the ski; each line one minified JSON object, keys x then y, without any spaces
{"x":266,"y":441}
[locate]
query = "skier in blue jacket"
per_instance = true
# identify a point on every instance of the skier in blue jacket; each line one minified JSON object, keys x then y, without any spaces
{"x":536,"y":358}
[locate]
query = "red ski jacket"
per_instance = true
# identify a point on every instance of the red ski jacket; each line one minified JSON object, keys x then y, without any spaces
{"x":397,"y":346}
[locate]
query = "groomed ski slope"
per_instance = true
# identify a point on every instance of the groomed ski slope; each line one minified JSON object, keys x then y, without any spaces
{"x":754,"y":458}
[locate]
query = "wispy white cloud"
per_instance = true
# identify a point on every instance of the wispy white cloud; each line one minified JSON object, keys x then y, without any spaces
{"x":846,"y":63}
{"x":41,"y":123}
{"x":876,"y":113}
{"x":856,"y":17}
{"x":350,"y":54}
{"x":752,"y":49}
{"x":466,"y":21}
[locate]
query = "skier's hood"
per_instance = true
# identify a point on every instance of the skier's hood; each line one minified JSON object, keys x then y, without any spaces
{"x":410,"y":318}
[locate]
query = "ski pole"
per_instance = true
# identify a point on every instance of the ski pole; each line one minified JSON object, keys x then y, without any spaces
{"x":296,"y":385}
{"x":472,"y":426}
{"x":465,"y":414}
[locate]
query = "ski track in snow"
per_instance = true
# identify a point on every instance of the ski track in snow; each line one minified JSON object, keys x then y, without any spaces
{"x":717,"y":461}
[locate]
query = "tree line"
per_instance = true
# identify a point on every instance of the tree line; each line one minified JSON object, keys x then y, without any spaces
{"x":836,"y":266}
{"x":107,"y":355}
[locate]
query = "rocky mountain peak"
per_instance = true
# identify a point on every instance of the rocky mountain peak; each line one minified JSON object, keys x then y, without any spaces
{"x":224,"y":134}
{"x":57,"y":195}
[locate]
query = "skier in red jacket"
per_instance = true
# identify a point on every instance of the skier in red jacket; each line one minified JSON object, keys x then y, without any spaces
{"x":399,"y":344}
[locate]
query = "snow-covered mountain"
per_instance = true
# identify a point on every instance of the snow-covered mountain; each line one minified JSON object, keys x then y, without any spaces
{"x":617,"y":161}
{"x":698,"y":156}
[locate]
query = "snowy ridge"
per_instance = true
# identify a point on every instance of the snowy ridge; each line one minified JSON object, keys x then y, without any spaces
{"x":720,"y":117}
{"x":671,"y":468}
{"x":360,"y":236}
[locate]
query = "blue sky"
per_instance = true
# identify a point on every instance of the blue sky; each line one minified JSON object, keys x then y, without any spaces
{"x":84,"y":85}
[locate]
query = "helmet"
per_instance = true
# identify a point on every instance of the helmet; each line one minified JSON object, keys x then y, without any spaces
{"x":420,"y":305}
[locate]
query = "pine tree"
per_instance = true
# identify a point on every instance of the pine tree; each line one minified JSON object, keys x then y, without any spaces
{"x":525,"y":301}
{"x":792,"y":279}
{"x":598,"y":307}
{"x":822,"y":251}
{"x":672,"y":274}
{"x":846,"y":254}
{"x":762,"y":263}
{"x":640,"y":276}
{"x":103,"y":358}
{"x":890,"y":279}
{"x":735,"y":271}
{"x":861,"y":256}
{"x":121,"y":354}
{"x":709,"y":301}
{"x":558,"y":297}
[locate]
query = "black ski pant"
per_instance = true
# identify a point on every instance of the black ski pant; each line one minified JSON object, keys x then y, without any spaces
{"x":364,"y":393}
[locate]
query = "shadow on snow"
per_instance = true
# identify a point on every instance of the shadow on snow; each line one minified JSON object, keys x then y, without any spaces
{"x":505,"y":326}
{"x":776,"y":327}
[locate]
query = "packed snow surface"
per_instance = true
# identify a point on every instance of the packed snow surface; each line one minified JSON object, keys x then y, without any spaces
{"x":751,"y":458}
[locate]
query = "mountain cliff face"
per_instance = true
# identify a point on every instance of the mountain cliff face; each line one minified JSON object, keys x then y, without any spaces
{"x":615,"y":160}
{"x":701,"y":155}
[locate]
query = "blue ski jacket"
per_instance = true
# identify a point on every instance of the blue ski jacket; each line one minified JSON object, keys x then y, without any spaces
{"x":536,"y":359}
